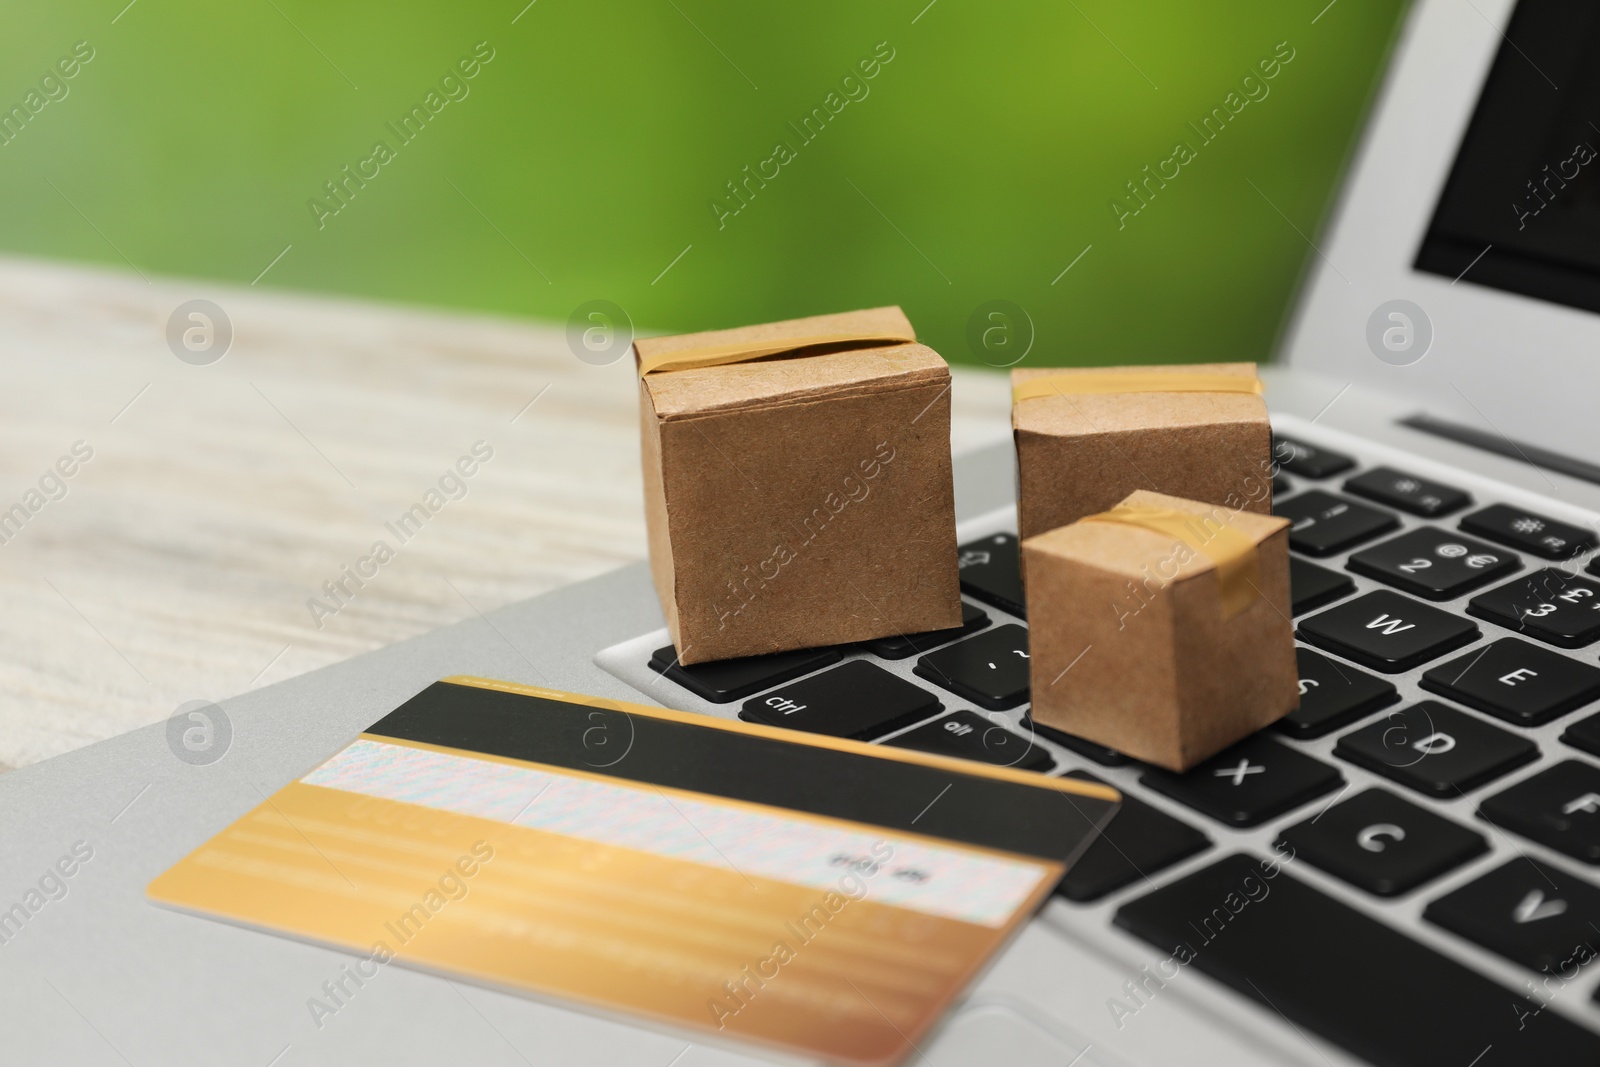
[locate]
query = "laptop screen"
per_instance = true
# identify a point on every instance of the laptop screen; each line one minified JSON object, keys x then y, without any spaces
{"x":1521,"y":208}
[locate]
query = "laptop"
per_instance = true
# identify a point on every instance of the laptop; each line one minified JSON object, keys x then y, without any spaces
{"x":1406,"y":870}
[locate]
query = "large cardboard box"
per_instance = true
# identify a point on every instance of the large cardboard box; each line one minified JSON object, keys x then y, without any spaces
{"x":1161,"y":628}
{"x":798,"y":486}
{"x":1087,"y":437}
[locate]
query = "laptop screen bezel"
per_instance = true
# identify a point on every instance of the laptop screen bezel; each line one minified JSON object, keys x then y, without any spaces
{"x":1498,"y":361}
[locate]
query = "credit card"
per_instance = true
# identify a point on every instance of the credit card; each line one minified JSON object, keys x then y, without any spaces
{"x":815,"y":895}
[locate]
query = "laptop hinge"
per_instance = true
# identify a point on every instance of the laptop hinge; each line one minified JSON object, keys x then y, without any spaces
{"x":1501,"y":445}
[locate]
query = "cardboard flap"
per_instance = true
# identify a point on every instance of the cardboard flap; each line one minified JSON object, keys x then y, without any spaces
{"x":1114,"y":412}
{"x":889,"y":320}
{"x":1129,"y":550}
{"x":686,"y":394}
{"x":790,"y":377}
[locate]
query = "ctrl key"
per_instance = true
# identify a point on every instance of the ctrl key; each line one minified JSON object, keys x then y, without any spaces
{"x":858,"y":700}
{"x":1345,"y":976}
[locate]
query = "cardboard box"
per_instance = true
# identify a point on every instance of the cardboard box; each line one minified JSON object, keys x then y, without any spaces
{"x":1097,"y":434}
{"x":1167,"y":644}
{"x":804,"y":499}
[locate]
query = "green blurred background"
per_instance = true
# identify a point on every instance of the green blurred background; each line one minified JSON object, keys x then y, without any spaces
{"x":586,"y":157}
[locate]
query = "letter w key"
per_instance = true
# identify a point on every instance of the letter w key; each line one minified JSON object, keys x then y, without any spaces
{"x":1387,"y":631}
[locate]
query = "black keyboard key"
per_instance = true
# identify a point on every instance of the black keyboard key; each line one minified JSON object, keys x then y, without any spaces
{"x":972,"y":620}
{"x":1378,"y":842}
{"x":1407,"y":492}
{"x":1524,"y":684}
{"x":1532,"y":533}
{"x":1140,"y":842}
{"x":858,"y":700}
{"x":1435,"y":749}
{"x":991,"y":669}
{"x":1558,"y":807}
{"x":991,"y":571}
{"x":1432,"y":563}
{"x":1530,"y":913}
{"x":968,"y":735}
{"x":1584,"y":734}
{"x":1344,"y":975}
{"x":1333,"y":695}
{"x":1311,"y":586}
{"x":1308,"y":461}
{"x":1253,"y":781}
{"x":1106,"y":757}
{"x":1324,"y":524}
{"x":730,"y":679}
{"x":1549,"y":605}
{"x":1280,"y":485}
{"x":1387,"y":632}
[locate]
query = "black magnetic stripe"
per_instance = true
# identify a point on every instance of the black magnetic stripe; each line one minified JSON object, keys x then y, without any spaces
{"x":822,"y":781}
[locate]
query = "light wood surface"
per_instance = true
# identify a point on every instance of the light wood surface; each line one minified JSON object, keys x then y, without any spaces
{"x":219,"y":498}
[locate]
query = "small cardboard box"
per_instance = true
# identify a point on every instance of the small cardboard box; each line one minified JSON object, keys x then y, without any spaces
{"x":1167,"y":644}
{"x":1094,"y":435}
{"x":803,"y":499}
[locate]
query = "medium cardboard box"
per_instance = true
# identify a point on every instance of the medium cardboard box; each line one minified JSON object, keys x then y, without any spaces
{"x":1141,"y":640}
{"x":1084,"y":445}
{"x":804,"y":499}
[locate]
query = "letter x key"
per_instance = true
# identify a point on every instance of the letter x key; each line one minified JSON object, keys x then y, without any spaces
{"x":1237,"y":773}
{"x":1234,"y":787}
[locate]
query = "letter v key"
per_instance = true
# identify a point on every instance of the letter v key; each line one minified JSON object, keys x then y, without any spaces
{"x":1534,"y":907}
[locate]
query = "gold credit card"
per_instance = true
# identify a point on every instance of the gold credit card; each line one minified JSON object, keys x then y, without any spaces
{"x":820,"y":896}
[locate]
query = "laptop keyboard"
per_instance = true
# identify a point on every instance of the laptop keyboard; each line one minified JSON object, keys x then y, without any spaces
{"x":1430,"y":656}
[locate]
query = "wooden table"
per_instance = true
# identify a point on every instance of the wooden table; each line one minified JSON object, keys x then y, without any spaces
{"x":176,"y":563}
